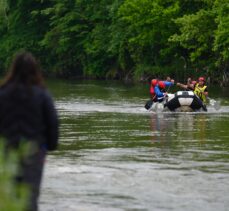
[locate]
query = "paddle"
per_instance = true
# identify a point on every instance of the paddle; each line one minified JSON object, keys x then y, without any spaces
{"x":148,"y":104}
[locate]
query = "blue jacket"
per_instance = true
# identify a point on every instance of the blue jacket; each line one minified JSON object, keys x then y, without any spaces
{"x":159,"y":93}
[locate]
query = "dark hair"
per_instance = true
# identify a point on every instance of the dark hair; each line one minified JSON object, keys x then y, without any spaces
{"x":24,"y":70}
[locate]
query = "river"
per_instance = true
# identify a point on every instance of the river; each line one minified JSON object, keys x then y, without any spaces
{"x":114,"y":155}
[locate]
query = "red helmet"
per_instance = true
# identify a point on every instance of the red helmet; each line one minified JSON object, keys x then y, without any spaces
{"x":161,"y":85}
{"x":201,"y":79}
{"x":154,"y":82}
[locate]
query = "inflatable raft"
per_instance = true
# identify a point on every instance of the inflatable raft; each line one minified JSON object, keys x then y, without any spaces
{"x":181,"y":101}
{"x":185,"y":101}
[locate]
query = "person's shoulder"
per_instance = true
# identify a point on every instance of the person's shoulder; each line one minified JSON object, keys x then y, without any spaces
{"x":40,"y":89}
{"x":4,"y":89}
{"x":42,"y":92}
{"x":5,"y":86}
{"x":1,"y":91}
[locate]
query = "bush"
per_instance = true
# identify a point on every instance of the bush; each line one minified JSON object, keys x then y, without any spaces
{"x":12,"y":196}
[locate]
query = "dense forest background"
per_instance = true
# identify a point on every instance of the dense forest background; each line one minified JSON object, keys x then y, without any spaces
{"x":119,"y":39}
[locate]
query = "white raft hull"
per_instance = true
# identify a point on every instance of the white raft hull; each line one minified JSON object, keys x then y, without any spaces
{"x":181,"y":101}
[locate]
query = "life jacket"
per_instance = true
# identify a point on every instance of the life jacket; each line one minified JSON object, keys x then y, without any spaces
{"x":152,"y":92}
{"x":199,"y":91}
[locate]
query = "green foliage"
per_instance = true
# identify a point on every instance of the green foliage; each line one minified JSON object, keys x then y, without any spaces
{"x":148,"y":26}
{"x":3,"y":11}
{"x":12,"y":196}
{"x":117,"y":38}
{"x":221,"y":42}
{"x":24,"y":30}
{"x":204,"y":34}
{"x":78,"y":36}
{"x":196,"y":33}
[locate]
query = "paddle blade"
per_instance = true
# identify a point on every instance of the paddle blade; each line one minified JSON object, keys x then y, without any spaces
{"x":148,"y":104}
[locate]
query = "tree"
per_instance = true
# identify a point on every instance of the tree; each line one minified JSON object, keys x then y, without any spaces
{"x":117,"y":38}
{"x":221,"y":42}
{"x":148,"y":26}
{"x":23,"y":30}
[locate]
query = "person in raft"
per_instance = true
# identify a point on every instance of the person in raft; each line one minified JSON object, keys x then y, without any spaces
{"x":201,"y":90}
{"x":190,"y":86}
{"x":152,"y":87}
{"x":198,"y":87}
{"x":154,"y":82}
{"x":27,"y":117}
{"x":160,"y":89}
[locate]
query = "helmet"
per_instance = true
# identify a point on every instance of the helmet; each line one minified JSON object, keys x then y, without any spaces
{"x":201,"y":79}
{"x":161,"y":85}
{"x":154,"y":82}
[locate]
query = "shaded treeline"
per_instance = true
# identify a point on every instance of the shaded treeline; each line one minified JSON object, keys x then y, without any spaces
{"x":119,"y":39}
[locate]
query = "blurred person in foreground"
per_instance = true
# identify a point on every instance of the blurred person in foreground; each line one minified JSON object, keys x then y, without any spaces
{"x":27,"y":114}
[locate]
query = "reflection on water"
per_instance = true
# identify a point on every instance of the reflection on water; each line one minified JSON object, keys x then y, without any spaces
{"x":115,"y":155}
{"x":165,"y":126}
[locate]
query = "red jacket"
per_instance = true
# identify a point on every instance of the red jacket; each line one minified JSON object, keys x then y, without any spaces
{"x":152,"y":92}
